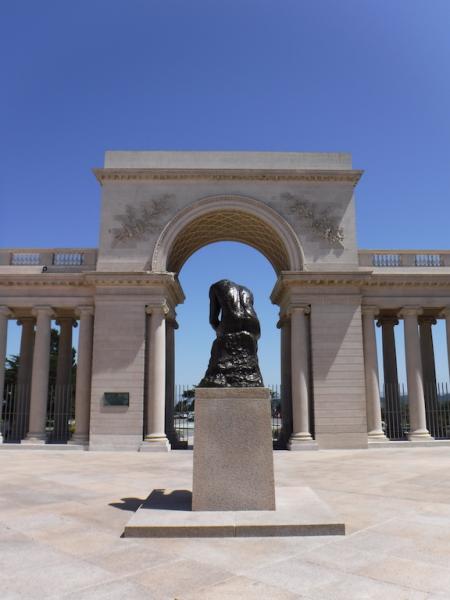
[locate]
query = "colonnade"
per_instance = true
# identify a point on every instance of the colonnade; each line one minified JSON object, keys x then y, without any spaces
{"x":420,"y":365}
{"x":34,"y":364}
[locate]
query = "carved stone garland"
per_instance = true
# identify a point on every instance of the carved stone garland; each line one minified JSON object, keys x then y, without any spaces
{"x":323,"y":224}
{"x":140,"y":220}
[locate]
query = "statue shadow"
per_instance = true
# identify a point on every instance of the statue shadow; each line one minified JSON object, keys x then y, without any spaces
{"x":169,"y":500}
{"x":130,"y":504}
{"x":159,"y":499}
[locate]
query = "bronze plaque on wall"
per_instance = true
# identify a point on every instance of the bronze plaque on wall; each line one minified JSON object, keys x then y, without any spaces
{"x":116,"y":399}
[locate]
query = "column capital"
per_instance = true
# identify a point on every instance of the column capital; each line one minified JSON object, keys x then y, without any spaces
{"x":283,"y":320}
{"x":37,"y":310}
{"x":427,"y":320}
{"x":23,"y":320}
{"x":61,"y":320}
{"x":84,"y":311}
{"x":410,"y":311}
{"x":298,"y":308}
{"x":445,"y":312}
{"x":5,"y":311}
{"x":387,"y":320}
{"x":370,"y":310}
{"x":162,"y":307}
{"x":172,"y":322}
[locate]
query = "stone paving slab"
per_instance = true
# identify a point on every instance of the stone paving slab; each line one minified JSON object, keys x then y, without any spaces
{"x":62,"y":515}
{"x":299,"y":512}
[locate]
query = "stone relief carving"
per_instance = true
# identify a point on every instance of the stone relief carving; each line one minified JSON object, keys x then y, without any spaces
{"x":322,"y":223}
{"x":138,"y":221}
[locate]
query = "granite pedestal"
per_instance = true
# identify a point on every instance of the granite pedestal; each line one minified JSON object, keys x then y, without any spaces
{"x":233,"y":456}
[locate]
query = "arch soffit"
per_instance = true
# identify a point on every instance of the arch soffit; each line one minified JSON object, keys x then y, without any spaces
{"x":245,"y":205}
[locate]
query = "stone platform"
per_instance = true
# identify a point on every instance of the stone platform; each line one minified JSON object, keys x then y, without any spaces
{"x":168,"y":514}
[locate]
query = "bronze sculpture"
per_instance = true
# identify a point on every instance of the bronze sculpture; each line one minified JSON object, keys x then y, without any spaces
{"x":234,"y":360}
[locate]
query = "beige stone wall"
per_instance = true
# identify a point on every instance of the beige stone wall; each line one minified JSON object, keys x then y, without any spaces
{"x":118,"y":366}
{"x":338,"y":372}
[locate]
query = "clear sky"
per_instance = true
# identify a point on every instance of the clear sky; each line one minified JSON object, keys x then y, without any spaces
{"x":370,"y":77}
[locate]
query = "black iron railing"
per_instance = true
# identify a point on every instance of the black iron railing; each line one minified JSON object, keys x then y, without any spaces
{"x":15,"y":413}
{"x":184,"y":414}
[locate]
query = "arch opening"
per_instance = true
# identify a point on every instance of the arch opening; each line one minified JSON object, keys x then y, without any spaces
{"x":228,"y":218}
{"x":229,"y":226}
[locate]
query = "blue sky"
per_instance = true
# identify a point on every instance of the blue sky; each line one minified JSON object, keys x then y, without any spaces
{"x":370,"y":77}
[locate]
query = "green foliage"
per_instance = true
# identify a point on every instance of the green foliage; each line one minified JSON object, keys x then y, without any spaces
{"x":13,"y":361}
{"x":11,"y":369}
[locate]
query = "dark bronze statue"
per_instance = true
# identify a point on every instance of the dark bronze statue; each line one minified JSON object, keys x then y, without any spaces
{"x":234,"y":360}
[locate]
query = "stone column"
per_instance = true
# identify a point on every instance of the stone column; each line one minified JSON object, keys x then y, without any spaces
{"x":446,"y":314}
{"x":64,"y":360}
{"x":63,"y":393}
{"x":39,"y":381}
{"x":26,"y":350}
{"x":5,"y":314}
{"x":394,"y":429}
{"x":171,"y":326}
{"x":373,"y":406}
{"x":428,"y":368}
{"x":417,"y":416}
{"x":284,"y":324}
{"x":301,"y":436}
{"x":23,"y":388}
{"x":387,"y":324}
{"x":427,"y":349}
{"x":155,"y":439}
{"x":84,"y":371}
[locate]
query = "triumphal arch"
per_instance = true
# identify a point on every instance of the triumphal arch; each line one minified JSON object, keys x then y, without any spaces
{"x":158,"y":208}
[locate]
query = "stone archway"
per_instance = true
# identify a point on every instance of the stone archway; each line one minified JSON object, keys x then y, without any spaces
{"x":235,"y":218}
{"x":227,"y":218}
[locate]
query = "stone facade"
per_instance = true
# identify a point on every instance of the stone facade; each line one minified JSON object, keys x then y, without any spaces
{"x":158,"y":208}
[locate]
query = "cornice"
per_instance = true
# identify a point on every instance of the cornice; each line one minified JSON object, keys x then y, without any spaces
{"x":144,"y":280}
{"x":43,"y":280}
{"x":311,"y":175}
{"x":413,"y":280}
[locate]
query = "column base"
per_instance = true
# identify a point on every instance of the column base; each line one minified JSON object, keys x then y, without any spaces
{"x":302,"y":441}
{"x":375,"y":437}
{"x":420,"y":435}
{"x":155,"y":443}
{"x":79,"y":439}
{"x":35,"y":438}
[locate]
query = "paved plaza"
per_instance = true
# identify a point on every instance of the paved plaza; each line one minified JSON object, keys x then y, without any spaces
{"x":62,"y":515}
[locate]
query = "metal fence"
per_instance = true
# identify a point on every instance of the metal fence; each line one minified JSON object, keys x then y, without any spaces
{"x":437,"y":409}
{"x":395,"y":410}
{"x":15,"y":413}
{"x":184,"y":414}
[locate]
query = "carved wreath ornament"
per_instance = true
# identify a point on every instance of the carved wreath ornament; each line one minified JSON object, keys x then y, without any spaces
{"x":140,"y":220}
{"x":322,"y":224}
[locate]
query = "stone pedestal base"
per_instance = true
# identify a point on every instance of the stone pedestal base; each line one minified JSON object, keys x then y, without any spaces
{"x":167,"y":513}
{"x":79,"y":439}
{"x":375,"y":437}
{"x":420,"y":436}
{"x":300,"y":444}
{"x":233,"y":456}
{"x":35,"y":439}
{"x":155,"y":444}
